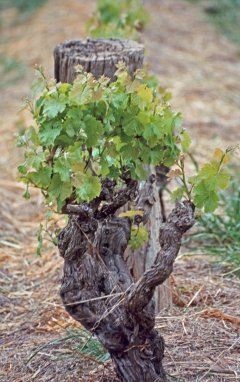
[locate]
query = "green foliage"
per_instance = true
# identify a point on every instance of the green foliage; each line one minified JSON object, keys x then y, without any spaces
{"x":225,"y":15}
{"x":78,"y":340}
{"x":219,"y":234}
{"x":203,"y":188}
{"x":211,"y":178}
{"x":186,"y":141}
{"x":92,"y":129}
{"x":119,"y":18}
{"x":139,"y":236}
{"x":88,"y":345}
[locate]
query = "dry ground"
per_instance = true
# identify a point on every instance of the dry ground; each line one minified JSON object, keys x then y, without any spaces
{"x":202,"y":69}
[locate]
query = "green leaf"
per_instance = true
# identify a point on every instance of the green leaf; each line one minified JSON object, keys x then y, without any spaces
{"x":54,"y":105}
{"x":205,"y":198}
{"x":59,"y":191}
{"x":34,"y":159}
{"x":28,"y":135}
{"x":33,"y":136}
{"x":75,"y":157}
{"x":219,"y":181}
{"x":151,"y":132}
{"x":22,"y":169}
{"x":209,"y":170}
{"x":104,"y":167}
{"x":170,"y":154}
{"x":144,"y":117}
{"x":131,"y":128}
{"x":145,"y":94}
{"x":62,"y":167}
{"x":211,"y":203}
{"x":70,"y":130}
{"x":63,"y":88}
{"x":93,"y":129}
{"x":75,"y":114}
{"x":216,"y":178}
{"x":140,"y":171}
{"x":156,"y":156}
{"x":48,"y":133}
{"x":87,"y":186}
{"x":120,"y":101}
{"x":42,"y":177}
{"x":74,"y":124}
{"x":156,"y":130}
{"x":223,"y":180}
{"x":185,"y":141}
{"x":63,"y":140}
{"x":80,"y":94}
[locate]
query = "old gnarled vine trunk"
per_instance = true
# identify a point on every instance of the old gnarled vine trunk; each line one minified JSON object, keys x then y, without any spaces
{"x":98,"y":289}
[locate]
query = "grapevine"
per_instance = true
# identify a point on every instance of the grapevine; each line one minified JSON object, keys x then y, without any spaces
{"x":120,"y":18}
{"x":94,"y":130}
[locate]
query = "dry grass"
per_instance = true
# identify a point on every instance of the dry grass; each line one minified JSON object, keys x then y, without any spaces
{"x":201,"y":330}
{"x":202,"y":334}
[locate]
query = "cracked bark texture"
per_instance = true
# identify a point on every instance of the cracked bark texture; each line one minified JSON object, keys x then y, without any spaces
{"x":99,"y":288}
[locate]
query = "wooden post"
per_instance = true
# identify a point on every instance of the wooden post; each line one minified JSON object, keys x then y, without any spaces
{"x":100,"y":56}
{"x":97,"y":56}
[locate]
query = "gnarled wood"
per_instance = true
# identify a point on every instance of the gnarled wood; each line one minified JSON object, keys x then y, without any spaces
{"x":140,"y":260}
{"x":98,"y":289}
{"x":179,"y":221}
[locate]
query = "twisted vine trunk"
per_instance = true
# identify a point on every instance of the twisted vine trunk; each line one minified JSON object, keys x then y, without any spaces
{"x":98,"y":288}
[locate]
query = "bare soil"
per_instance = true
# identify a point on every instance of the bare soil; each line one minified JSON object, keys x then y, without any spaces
{"x":202,"y":70}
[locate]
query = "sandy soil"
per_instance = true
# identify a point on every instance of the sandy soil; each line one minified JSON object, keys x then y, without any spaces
{"x":202,"y":69}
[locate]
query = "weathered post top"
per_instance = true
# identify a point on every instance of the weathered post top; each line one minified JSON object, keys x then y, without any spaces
{"x":97,"y":56}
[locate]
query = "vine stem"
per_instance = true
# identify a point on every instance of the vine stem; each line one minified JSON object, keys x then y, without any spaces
{"x":183,"y":179}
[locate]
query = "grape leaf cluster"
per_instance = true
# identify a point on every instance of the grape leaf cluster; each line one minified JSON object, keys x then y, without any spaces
{"x":203,"y":188}
{"x":93,"y":129}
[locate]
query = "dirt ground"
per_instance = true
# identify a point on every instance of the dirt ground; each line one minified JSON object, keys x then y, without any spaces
{"x":202,"y":70}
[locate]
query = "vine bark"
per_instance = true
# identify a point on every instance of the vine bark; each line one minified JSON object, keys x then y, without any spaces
{"x":98,"y":289}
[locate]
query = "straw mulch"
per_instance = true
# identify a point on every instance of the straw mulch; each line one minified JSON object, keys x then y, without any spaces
{"x":201,"y":329}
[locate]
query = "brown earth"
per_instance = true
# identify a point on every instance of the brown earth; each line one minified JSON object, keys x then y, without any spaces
{"x":202,"y":70}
